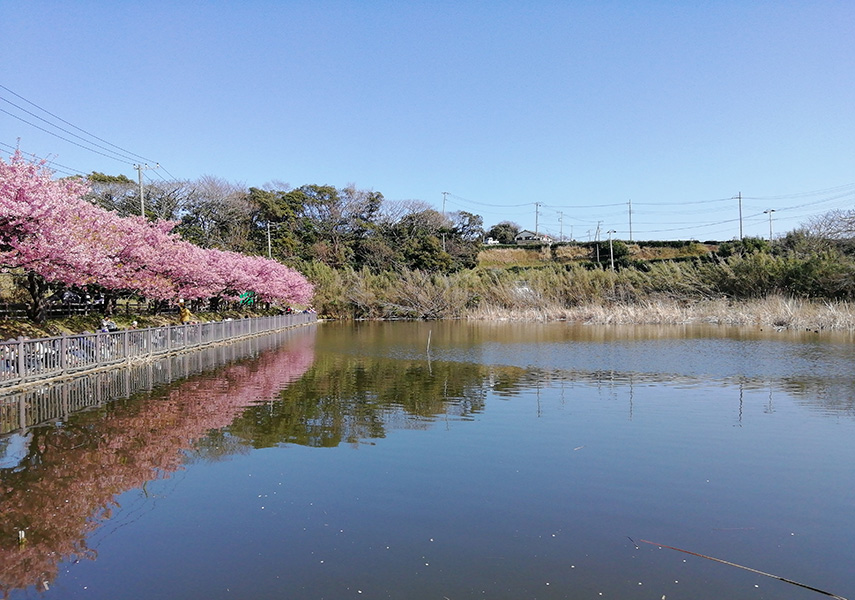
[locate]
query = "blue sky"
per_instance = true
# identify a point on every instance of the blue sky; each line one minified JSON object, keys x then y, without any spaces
{"x":549,"y":114}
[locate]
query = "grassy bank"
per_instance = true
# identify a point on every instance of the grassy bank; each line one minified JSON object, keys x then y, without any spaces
{"x":784,"y":288}
{"x":776,"y":312}
{"x":816,"y":292}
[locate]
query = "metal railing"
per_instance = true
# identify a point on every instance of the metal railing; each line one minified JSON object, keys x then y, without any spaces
{"x":27,"y":407}
{"x":24,"y":360}
{"x":19,"y":310}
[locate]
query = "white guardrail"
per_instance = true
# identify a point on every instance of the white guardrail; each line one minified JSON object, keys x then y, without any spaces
{"x":25,"y":360}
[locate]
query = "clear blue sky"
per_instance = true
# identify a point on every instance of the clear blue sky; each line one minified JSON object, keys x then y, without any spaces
{"x":580,"y":106}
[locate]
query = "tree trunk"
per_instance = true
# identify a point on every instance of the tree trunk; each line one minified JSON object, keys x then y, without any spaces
{"x":38,"y":289}
{"x":157,"y":306}
{"x":110,"y":300}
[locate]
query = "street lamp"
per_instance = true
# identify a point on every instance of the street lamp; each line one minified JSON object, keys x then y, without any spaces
{"x":769,"y":212}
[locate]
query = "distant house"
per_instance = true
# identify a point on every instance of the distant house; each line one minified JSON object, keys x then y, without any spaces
{"x":529,"y":237}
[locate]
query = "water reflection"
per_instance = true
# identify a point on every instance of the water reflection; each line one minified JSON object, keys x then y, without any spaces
{"x":67,"y":475}
{"x":675,"y":397}
{"x":347,"y":400}
{"x":380,"y":377}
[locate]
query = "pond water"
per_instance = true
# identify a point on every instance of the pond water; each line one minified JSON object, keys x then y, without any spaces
{"x":452,"y":461}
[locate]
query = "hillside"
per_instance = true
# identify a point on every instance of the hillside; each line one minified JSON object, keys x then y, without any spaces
{"x":508,"y":256}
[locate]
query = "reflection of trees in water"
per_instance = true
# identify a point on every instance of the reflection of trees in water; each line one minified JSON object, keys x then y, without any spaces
{"x":67,"y":484}
{"x":348,"y":399}
{"x":833,"y":396}
{"x":827,"y":394}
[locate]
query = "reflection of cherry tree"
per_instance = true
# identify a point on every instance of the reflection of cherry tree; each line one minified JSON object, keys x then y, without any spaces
{"x":68,"y":484}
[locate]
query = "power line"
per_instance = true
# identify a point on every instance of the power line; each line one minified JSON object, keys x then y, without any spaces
{"x":72,"y":125}
{"x":684,"y":203}
{"x":490,"y":205}
{"x":838,"y":197}
{"x":60,"y":137}
{"x":62,"y":129}
{"x":553,"y":206}
{"x":53,"y":165}
{"x":174,"y":178}
{"x":803,"y":194}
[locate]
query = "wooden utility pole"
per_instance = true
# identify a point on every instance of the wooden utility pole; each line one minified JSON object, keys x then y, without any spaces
{"x":611,"y":249}
{"x":140,"y":169}
{"x":739,"y":196}
{"x":630,"y":219}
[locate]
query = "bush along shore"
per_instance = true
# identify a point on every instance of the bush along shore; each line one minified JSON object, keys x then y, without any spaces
{"x":814,"y":291}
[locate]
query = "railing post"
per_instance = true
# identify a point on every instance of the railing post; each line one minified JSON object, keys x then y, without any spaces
{"x":63,"y":353}
{"x":22,"y":365}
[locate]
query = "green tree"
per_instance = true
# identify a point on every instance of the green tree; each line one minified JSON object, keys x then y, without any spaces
{"x":467,"y":233}
{"x":504,"y":232}
{"x":743,"y":247}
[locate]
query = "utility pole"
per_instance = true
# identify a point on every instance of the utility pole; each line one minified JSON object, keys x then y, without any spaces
{"x":739,"y":196}
{"x":444,"y":194}
{"x":611,"y":249}
{"x":269,"y":246}
{"x":598,"y":241}
{"x":560,"y":226}
{"x":140,"y":169}
{"x":536,"y":215}
{"x":630,"y":219}
{"x":769,"y":212}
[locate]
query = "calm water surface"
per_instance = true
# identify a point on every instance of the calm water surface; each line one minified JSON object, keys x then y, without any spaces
{"x":451,"y":461}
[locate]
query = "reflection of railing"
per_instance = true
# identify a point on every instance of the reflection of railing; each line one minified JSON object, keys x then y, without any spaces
{"x":25,"y":360}
{"x":33,"y":405}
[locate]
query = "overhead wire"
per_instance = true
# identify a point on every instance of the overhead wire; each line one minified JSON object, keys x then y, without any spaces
{"x":62,"y":169}
{"x":122,"y":157}
{"x":74,"y":126}
{"x":491,"y":205}
{"x":62,"y":138}
{"x":804,"y":194}
{"x":114,"y":152}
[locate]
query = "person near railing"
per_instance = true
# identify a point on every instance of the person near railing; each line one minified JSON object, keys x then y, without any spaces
{"x":184,"y":315}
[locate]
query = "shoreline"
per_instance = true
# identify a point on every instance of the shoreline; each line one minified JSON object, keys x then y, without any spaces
{"x":777,"y":313}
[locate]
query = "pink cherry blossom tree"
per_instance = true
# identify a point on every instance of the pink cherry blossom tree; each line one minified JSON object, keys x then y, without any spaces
{"x":54,"y":236}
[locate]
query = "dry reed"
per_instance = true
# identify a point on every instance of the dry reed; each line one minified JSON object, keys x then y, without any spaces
{"x":773,"y":312}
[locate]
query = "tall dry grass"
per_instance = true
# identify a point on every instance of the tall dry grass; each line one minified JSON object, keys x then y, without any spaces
{"x":773,"y":312}
{"x":741,"y":291}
